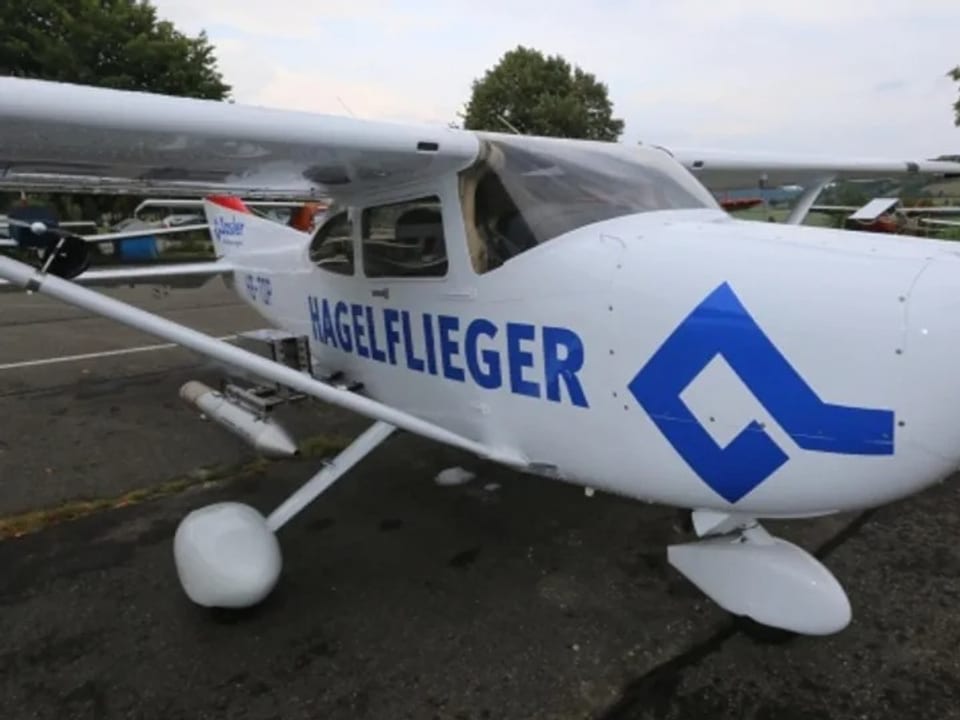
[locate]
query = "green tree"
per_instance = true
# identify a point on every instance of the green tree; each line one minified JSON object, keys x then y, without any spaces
{"x":538,"y":95}
{"x":847,"y":193}
{"x":955,"y":74}
{"x":109,"y":43}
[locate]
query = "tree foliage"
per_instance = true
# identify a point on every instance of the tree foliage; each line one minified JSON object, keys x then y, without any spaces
{"x":955,"y":74}
{"x":540,"y":95}
{"x":108,"y":43}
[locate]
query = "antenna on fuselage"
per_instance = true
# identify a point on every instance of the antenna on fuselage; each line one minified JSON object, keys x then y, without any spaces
{"x":346,"y":107}
{"x":509,"y":125}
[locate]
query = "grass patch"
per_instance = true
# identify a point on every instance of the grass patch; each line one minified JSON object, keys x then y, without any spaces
{"x":31,"y":521}
{"x":323,"y":445}
{"x":20,"y":524}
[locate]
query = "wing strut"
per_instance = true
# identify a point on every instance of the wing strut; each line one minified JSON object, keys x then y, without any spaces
{"x":311,"y":490}
{"x":800,"y":211}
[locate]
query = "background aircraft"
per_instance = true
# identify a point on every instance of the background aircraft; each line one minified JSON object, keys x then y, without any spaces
{"x":889,"y":215}
{"x":579,"y":310}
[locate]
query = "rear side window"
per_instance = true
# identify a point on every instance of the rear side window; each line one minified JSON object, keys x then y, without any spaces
{"x":332,"y":246}
{"x":404,"y":239}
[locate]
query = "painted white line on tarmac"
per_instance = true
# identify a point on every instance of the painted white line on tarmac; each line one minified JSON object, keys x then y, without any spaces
{"x":93,"y":356}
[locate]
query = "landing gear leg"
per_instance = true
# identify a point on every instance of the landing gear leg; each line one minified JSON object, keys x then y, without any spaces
{"x":749,"y":572}
{"x":227,"y":554}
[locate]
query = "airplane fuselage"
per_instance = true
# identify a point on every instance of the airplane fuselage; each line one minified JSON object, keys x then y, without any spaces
{"x":577,"y":309}
{"x":677,"y":357}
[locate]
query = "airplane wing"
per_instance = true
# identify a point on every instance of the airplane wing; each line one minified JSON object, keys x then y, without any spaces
{"x":931,"y":210}
{"x":73,"y":137}
{"x":143,"y":232}
{"x":124,"y":234}
{"x":184,"y":274}
{"x":725,"y":170}
{"x":69,"y":225}
{"x":835,"y":209}
{"x":64,"y":136}
{"x":947,"y":210}
{"x":941,"y":223}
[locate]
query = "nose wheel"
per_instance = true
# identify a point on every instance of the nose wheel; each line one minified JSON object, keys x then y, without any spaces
{"x":751,"y":573}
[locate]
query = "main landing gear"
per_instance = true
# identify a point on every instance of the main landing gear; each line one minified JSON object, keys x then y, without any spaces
{"x":227,"y":554}
{"x":748,"y":572}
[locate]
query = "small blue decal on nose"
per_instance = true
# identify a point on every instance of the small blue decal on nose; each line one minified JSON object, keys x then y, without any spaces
{"x":721,"y":325}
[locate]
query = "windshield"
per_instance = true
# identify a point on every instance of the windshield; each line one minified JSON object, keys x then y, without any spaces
{"x":525,"y":191}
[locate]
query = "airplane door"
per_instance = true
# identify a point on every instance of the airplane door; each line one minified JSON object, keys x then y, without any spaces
{"x":411,"y":254}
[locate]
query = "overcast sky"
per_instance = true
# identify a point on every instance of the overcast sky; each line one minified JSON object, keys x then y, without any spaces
{"x":859,"y":77}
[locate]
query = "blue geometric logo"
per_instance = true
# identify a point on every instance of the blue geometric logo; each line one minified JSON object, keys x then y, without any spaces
{"x":721,"y":325}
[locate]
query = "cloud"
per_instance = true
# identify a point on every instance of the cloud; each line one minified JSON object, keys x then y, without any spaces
{"x":890,"y":86}
{"x":857,"y":77}
{"x":307,"y":91}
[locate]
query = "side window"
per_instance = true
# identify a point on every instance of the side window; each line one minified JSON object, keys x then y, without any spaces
{"x":404,"y":240}
{"x":332,"y":245}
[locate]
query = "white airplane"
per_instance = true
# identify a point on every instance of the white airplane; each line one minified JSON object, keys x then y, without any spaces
{"x":579,"y":310}
{"x":888,"y":215}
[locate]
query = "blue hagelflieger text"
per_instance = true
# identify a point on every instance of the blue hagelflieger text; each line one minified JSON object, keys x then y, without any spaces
{"x":536,"y":361}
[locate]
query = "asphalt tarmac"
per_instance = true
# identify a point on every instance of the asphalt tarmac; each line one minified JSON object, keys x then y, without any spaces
{"x":506,"y":597}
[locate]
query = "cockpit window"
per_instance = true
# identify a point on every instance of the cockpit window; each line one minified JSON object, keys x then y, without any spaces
{"x":404,"y":239}
{"x":523,"y":192}
{"x":332,"y":245}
